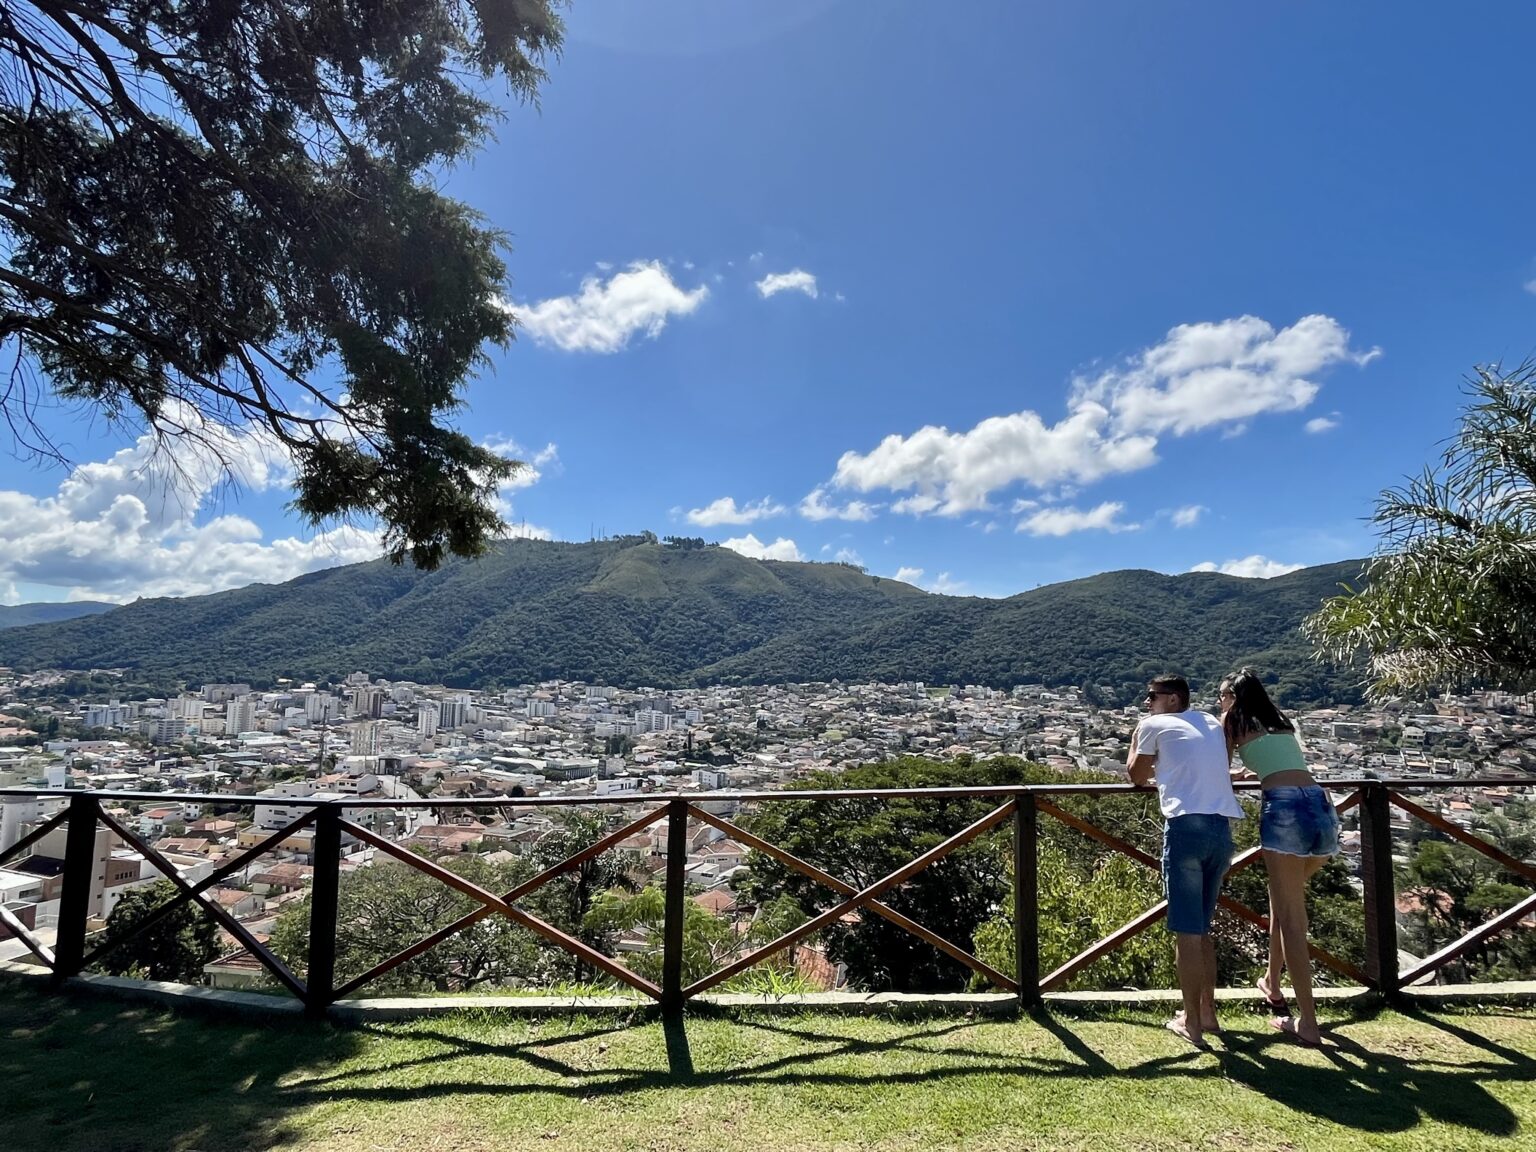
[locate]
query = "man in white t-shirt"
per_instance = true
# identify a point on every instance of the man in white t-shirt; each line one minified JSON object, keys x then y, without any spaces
{"x":1185,"y":751}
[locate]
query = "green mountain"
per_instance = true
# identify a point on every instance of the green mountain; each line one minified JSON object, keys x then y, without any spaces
{"x":633,"y":611}
{"x":20,"y":615}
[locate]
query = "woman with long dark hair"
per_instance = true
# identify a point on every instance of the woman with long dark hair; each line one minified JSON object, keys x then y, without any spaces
{"x":1298,"y":831}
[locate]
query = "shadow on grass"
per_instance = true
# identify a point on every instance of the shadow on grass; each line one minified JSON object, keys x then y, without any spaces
{"x":1376,"y":1091}
{"x":679,"y":1055}
{"x":86,"y":1073}
{"x":83,"y":1072}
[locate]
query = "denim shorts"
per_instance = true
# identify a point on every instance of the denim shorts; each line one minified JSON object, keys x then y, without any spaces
{"x":1197,"y":850}
{"x":1298,"y":821}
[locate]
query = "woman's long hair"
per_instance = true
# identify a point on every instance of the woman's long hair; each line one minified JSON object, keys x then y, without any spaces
{"x":1252,"y":710}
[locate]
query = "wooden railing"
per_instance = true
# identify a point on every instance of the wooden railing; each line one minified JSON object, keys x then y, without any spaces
{"x":1021,"y":806}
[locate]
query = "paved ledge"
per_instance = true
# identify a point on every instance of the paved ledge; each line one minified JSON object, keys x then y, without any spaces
{"x":1508,"y":992}
{"x":189,"y":997}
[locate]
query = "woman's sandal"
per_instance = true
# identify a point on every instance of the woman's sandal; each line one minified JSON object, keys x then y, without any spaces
{"x":1278,"y":1005}
{"x":1288,"y":1025}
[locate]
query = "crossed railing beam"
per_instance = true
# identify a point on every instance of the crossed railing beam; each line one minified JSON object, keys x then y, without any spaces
{"x":1491,"y":927}
{"x":843,"y":888}
{"x":12,"y":924}
{"x":1023,"y":802}
{"x":866,"y":898}
{"x":1150,"y":917}
{"x":492,"y":903}
{"x":195,"y":893}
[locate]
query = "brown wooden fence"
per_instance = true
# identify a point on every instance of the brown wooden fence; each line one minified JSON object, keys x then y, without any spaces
{"x":1020,"y":806}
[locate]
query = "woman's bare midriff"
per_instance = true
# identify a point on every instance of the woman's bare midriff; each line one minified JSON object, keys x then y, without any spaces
{"x":1294,"y":778}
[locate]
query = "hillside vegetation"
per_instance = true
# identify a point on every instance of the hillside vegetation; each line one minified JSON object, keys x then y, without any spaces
{"x":634,"y":611}
{"x":20,"y":615}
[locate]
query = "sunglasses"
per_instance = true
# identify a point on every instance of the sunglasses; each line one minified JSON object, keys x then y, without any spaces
{"x":1156,"y":692}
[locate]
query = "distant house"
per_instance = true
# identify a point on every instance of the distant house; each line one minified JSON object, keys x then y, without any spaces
{"x":217,"y":828}
{"x":152,"y":821}
{"x":443,"y":838}
{"x":281,"y":878}
{"x":722,"y":855}
{"x":235,"y":970}
{"x":636,"y":847}
{"x":717,"y":902}
{"x":186,"y":845}
{"x":237,"y":903}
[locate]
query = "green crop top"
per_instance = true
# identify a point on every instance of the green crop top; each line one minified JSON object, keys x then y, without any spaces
{"x":1273,"y":752}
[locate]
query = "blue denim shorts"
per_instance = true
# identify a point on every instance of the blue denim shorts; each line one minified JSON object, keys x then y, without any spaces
{"x":1298,"y":822}
{"x":1197,"y":850}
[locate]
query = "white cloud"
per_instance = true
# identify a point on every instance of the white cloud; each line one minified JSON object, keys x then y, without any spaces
{"x":795,"y":280}
{"x":1199,"y":376}
{"x":1224,"y":373}
{"x":146,"y":521}
{"x":1321,"y":424}
{"x":750,"y":545}
{"x":815,"y":507}
{"x":1256,"y":567}
{"x":128,"y":526}
{"x":726,"y":511}
{"x":1065,"y":521}
{"x":605,"y":314}
{"x":1188,"y":516}
{"x":952,"y":473}
{"x":534,"y":464}
{"x":848,"y":556}
{"x":1530,"y":286}
{"x":944,"y":585}
{"x":917,"y":505}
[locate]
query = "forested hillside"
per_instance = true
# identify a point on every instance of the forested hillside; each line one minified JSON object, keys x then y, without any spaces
{"x":637,"y":611}
{"x":20,"y":615}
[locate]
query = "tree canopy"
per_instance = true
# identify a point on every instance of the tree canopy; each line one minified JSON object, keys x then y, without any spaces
{"x":382,"y":909}
{"x":174,"y":948}
{"x":861,"y":840}
{"x":1448,"y":597}
{"x":219,"y":216}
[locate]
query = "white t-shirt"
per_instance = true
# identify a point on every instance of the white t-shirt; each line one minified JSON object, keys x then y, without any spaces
{"x":1191,"y":763}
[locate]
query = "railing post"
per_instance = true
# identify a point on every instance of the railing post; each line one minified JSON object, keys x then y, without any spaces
{"x":1380,"y":890}
{"x":676,"y":894}
{"x":320,"y":977}
{"x":79,"y":877}
{"x":1026,"y":899}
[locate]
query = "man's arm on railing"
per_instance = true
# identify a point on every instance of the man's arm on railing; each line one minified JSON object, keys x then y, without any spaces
{"x":1140,"y":766}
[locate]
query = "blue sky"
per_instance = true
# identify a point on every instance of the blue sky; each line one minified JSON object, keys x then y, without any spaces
{"x":989,"y":295}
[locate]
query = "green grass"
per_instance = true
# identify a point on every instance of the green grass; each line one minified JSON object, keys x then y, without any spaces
{"x":87,"y":1073}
